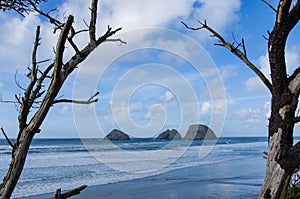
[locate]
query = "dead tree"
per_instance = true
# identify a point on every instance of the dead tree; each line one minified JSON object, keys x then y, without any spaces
{"x":283,"y":156}
{"x":39,"y":96}
{"x":19,"y":6}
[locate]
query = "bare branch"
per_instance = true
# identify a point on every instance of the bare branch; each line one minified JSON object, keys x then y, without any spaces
{"x":234,"y":49}
{"x":115,"y":40}
{"x":92,"y":27}
{"x":18,"y":99}
{"x":19,"y":6}
{"x":73,"y":192}
{"x":58,"y":62}
{"x":43,"y":61}
{"x":7,"y":138}
{"x":107,"y":34}
{"x":57,"y":23}
{"x":244,"y":47}
{"x":191,"y":28}
{"x":268,"y":4}
{"x":89,"y":101}
{"x":17,"y":82}
{"x":33,"y":73}
{"x":70,"y":39}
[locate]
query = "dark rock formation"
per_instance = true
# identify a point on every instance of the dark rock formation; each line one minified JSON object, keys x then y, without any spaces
{"x":199,"y":132}
{"x":169,"y":135}
{"x":116,"y":135}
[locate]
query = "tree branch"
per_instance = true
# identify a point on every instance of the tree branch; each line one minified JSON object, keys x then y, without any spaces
{"x":92,"y":27}
{"x":73,"y":192}
{"x":234,"y":49}
{"x":107,"y":34}
{"x":283,"y":10}
{"x":52,"y":20}
{"x":7,"y":139}
{"x":58,"y":62}
{"x":89,"y":101}
{"x":268,"y":4}
{"x":115,"y":40}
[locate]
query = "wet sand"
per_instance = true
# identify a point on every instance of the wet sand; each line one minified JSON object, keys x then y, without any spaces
{"x":240,"y":178}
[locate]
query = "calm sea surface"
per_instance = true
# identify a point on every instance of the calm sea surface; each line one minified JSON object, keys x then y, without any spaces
{"x":68,"y":163}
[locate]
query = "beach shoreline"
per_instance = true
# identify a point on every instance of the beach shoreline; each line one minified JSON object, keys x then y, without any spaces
{"x":220,"y":180}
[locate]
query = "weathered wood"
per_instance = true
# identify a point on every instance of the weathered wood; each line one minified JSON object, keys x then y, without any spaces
{"x":276,"y":179}
{"x":68,"y":194}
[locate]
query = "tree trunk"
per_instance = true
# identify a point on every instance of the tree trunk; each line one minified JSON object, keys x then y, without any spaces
{"x":16,"y":166}
{"x":276,"y":180}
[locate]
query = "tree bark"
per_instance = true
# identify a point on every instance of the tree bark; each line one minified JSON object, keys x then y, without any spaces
{"x":276,"y":180}
{"x":16,"y":166}
{"x":282,"y":161}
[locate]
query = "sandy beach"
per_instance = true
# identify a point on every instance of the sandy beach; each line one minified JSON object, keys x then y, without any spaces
{"x":240,"y":178}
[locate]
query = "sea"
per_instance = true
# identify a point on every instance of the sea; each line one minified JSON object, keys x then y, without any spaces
{"x":69,"y":163}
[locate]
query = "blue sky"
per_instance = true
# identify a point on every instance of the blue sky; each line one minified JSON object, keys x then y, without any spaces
{"x":165,"y":77}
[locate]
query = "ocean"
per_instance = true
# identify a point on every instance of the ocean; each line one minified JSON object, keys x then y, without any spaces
{"x":69,"y":163}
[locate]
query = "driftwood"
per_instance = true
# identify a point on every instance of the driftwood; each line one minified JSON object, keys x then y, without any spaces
{"x":68,"y":194}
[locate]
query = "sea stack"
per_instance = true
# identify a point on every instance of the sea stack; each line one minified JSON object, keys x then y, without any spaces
{"x":199,"y":132}
{"x":116,"y":135}
{"x":169,"y":135}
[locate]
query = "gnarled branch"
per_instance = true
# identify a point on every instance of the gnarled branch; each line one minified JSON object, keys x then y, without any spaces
{"x":235,"y":50}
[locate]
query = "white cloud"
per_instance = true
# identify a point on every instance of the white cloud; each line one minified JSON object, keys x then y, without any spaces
{"x":218,"y":14}
{"x":228,"y":71}
{"x":64,"y":110}
{"x":206,"y":106}
{"x":168,"y":96}
{"x":254,"y":117}
{"x":1,"y":84}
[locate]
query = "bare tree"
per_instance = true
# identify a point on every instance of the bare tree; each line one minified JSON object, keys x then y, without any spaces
{"x":44,"y":85}
{"x":283,"y":156}
{"x":20,"y":6}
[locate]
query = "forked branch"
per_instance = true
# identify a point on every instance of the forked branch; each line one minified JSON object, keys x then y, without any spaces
{"x":235,"y":50}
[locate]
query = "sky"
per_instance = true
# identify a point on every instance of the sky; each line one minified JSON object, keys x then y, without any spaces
{"x":165,"y":77}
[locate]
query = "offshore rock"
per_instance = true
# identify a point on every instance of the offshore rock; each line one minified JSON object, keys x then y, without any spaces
{"x":169,"y":135}
{"x":199,"y":132}
{"x":116,"y":135}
